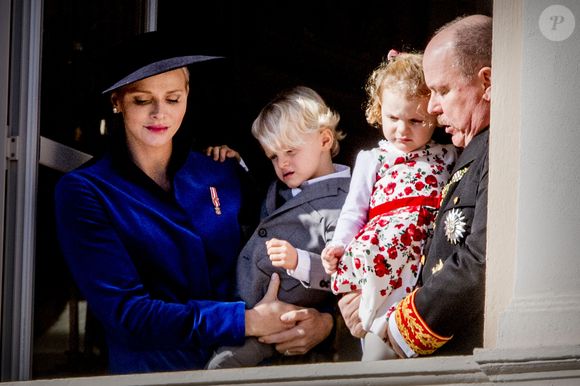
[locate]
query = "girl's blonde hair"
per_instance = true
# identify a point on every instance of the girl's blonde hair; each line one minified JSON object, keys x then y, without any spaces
{"x":403,"y":73}
{"x":284,"y":121}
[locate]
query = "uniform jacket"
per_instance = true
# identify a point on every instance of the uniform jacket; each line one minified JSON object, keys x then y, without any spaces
{"x":156,"y":267}
{"x":450,"y":301}
{"x":307,"y":221}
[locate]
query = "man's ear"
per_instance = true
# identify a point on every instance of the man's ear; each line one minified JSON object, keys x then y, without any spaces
{"x":484,"y":76}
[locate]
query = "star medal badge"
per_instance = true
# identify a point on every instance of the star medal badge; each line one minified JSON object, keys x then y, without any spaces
{"x":215,"y":200}
{"x":454,"y":226}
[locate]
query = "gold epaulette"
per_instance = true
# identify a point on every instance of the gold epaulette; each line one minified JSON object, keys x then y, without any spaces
{"x":414,"y":330}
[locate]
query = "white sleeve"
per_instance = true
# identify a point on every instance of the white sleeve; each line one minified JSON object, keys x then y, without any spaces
{"x":302,"y":271}
{"x":354,"y":213}
{"x":396,"y":334}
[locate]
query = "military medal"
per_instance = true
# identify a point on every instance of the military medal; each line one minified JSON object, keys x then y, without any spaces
{"x":215,"y":200}
{"x":457,"y":176}
{"x":438,"y":267}
{"x":454,"y":226}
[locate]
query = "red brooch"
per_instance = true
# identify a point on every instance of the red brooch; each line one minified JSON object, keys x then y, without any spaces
{"x":215,"y":200}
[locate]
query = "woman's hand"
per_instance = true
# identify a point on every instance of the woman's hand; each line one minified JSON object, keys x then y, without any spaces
{"x":221,"y":153}
{"x":311,"y":328}
{"x":265,"y":317}
{"x":282,"y":254}
{"x":330,"y":256}
{"x":348,"y":305}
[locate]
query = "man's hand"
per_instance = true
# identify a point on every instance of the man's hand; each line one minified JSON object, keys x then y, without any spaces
{"x":282,"y":254}
{"x":265,"y":317}
{"x":311,"y":328}
{"x":348,"y":305}
{"x":221,"y":153}
{"x":330,"y":256}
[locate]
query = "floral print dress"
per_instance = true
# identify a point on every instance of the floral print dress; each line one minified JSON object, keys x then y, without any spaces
{"x":384,"y":258}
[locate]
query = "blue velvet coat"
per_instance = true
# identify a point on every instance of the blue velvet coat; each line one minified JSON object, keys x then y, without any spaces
{"x":157,"y":268}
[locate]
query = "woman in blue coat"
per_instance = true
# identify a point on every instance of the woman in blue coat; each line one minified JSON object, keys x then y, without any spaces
{"x":150,"y":232}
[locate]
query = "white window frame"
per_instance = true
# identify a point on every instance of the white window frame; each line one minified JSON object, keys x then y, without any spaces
{"x":20,"y":110}
{"x":487,"y":366}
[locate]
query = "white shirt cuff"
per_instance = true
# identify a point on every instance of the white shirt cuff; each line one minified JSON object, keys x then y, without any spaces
{"x":335,"y":243}
{"x":243,"y":164}
{"x":302,"y":271}
{"x":396,"y":334}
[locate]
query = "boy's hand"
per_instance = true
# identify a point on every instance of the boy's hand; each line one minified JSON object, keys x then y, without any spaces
{"x":221,"y":153}
{"x":330,"y":256}
{"x":282,"y":254}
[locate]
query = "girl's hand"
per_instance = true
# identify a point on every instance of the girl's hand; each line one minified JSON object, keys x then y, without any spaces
{"x":265,"y":317}
{"x":330,"y":256}
{"x":221,"y":153}
{"x":282,"y":254}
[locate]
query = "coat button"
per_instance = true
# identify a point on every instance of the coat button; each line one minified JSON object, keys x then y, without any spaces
{"x":324,"y":283}
{"x":262,"y":232}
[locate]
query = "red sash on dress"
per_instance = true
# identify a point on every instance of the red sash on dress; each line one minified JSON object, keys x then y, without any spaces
{"x":433,"y":201}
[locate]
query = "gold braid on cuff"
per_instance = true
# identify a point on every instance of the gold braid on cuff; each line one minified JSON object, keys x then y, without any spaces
{"x":414,"y":330}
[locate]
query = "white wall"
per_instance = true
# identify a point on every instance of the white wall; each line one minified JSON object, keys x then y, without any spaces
{"x":504,"y":163}
{"x":549,"y":224}
{"x":533,"y":297}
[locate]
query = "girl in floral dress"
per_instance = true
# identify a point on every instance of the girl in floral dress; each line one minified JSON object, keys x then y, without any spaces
{"x":394,"y":195}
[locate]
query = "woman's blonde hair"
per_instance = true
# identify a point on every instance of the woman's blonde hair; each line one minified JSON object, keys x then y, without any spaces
{"x":403,"y":73}
{"x":284,"y":121}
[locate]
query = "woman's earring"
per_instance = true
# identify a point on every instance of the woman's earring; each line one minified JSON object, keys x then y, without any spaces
{"x":115,"y":110}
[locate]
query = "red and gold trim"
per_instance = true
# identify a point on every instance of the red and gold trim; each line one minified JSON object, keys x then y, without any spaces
{"x":414,"y":330}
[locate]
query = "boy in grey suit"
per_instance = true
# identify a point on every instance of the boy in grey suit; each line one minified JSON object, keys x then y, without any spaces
{"x":297,"y":131}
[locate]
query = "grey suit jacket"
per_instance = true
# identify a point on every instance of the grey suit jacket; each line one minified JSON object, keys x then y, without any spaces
{"x":307,"y":221}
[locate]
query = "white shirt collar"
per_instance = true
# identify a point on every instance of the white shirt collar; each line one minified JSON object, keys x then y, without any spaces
{"x":340,"y":171}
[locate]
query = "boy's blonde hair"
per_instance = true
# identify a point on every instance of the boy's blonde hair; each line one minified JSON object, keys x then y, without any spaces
{"x":284,"y":121}
{"x":403,"y":73}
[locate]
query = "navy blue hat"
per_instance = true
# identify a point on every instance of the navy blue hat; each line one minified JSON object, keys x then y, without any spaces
{"x":145,"y":55}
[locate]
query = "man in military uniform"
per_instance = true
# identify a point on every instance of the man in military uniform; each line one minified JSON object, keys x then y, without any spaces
{"x":445,"y":313}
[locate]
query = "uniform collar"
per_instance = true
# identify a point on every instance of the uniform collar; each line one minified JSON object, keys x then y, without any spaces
{"x":473,"y":149}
